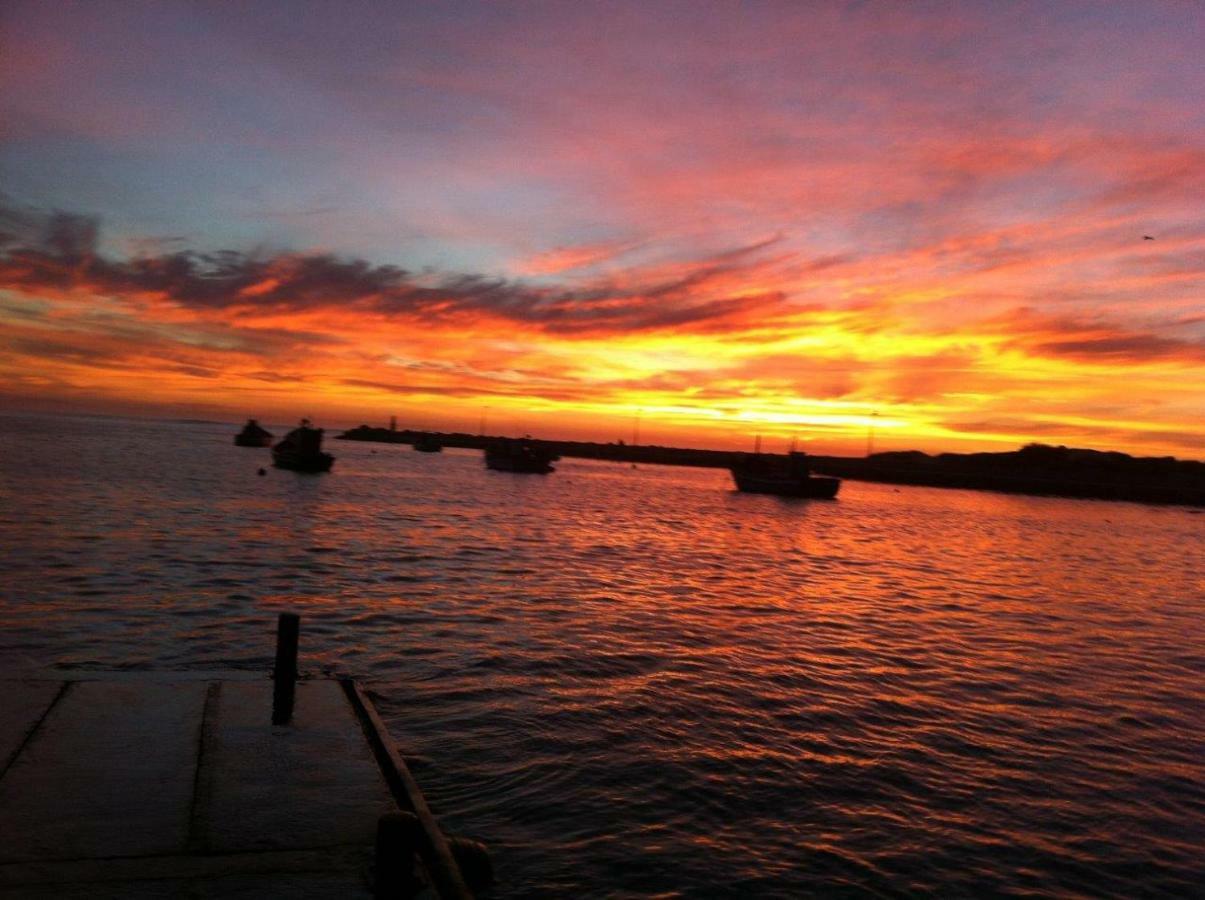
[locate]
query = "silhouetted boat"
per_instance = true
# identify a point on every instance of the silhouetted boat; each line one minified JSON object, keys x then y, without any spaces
{"x":428,"y":443}
{"x":518,"y":455}
{"x":253,"y":435}
{"x":301,"y":450}
{"x":786,"y":476}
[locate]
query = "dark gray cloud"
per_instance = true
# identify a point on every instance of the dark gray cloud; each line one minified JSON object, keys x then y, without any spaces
{"x":1124,"y":347}
{"x":67,"y":350}
{"x":1091,"y":339}
{"x":59,"y":250}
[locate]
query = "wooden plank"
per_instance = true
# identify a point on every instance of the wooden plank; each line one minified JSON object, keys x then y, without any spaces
{"x":437,"y":854}
{"x":25,"y":705}
{"x":109,"y":773}
{"x":311,"y":783}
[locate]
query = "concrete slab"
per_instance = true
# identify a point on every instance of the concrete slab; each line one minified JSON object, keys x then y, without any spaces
{"x":110,"y":772}
{"x":140,"y":787}
{"x":324,"y":873}
{"x":141,"y":676}
{"x":24,"y":704}
{"x":306,"y":886}
{"x":311,"y":783}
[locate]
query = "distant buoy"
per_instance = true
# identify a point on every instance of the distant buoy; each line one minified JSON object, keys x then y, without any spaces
{"x":263,"y":471}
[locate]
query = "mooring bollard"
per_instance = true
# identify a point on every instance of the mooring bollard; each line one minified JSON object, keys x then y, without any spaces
{"x":473,"y":858}
{"x":288,"y":629}
{"x":398,"y":836}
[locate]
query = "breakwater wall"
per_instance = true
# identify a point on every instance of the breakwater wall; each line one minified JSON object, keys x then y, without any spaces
{"x":1034,"y":469}
{"x":1039,"y":470}
{"x":636,"y":453}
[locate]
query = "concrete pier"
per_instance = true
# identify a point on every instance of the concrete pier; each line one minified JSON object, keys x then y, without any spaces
{"x":182,"y":786}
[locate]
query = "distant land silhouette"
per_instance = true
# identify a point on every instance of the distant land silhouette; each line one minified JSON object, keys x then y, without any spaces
{"x":1034,"y":469}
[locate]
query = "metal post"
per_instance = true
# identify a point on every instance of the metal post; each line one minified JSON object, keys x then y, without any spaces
{"x":288,"y":629}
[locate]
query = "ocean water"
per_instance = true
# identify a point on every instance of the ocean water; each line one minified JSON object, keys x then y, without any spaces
{"x":639,"y":683}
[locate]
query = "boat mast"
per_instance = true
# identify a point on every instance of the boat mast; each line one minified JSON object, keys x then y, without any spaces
{"x":870,"y":433}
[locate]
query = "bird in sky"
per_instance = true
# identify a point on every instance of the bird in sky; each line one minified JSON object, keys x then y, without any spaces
{"x":1147,"y":237}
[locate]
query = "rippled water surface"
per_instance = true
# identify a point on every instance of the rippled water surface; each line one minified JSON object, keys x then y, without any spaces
{"x":636,"y":682}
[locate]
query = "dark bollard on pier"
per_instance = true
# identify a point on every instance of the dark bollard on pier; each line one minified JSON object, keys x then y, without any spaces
{"x":473,"y":858}
{"x":399,"y":838}
{"x":288,"y":630}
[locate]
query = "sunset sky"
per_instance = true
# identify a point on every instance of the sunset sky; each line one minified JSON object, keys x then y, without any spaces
{"x":714,"y":219}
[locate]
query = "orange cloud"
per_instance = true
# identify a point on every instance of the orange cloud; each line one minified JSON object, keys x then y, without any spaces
{"x":567,"y":259}
{"x":756,"y":338}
